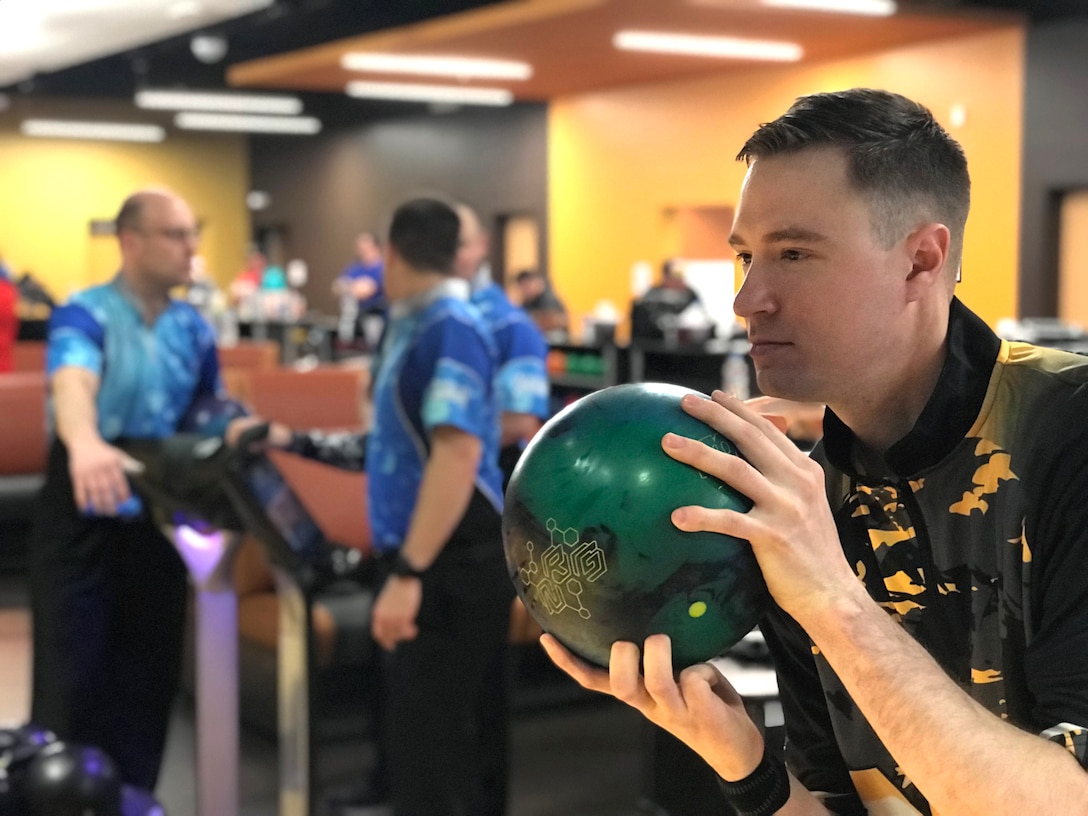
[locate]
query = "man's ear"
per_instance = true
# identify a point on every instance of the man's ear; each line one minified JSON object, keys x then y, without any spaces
{"x":928,"y":248}
{"x":124,"y":241}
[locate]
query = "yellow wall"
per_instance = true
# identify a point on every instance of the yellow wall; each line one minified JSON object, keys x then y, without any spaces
{"x":53,"y":188}
{"x":619,"y":159}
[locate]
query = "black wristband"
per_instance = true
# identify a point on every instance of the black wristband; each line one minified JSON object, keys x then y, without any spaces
{"x":401,"y":567}
{"x":764,"y":791}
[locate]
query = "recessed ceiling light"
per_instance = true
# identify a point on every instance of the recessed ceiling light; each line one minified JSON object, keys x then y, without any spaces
{"x":697,"y":45}
{"x":243,"y":123}
{"x":258,"y":200}
{"x":460,"y":67}
{"x":408,"y":92}
{"x":109,"y":131}
{"x":221,"y":102}
{"x":873,"y":8}
{"x":209,"y":48}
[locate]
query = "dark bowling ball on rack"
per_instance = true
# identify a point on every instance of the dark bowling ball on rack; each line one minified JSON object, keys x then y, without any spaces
{"x":210,"y":414}
{"x":66,"y":779}
{"x":590,"y":544}
{"x":18,"y":747}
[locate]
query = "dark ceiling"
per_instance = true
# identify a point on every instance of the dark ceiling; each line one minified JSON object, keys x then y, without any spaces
{"x":284,"y":26}
{"x":293,"y":24}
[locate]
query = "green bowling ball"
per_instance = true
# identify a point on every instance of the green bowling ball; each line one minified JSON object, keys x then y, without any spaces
{"x":590,"y":545}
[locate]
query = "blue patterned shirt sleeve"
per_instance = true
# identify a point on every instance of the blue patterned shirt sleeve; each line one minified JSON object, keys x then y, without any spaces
{"x":459,"y":392}
{"x":522,"y":381}
{"x":75,"y":339}
{"x":523,"y":376}
{"x":456,"y":396}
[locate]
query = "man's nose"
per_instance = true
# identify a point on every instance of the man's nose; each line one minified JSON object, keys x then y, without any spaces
{"x":754,"y":295}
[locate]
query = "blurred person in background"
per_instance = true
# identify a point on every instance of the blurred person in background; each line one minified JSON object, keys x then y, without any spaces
{"x":108,"y":591}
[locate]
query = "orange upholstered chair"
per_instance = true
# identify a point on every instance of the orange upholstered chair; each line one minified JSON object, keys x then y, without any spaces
{"x":29,"y":355}
{"x":23,"y":433}
{"x":323,"y":398}
{"x":23,"y":452}
{"x":237,"y":362}
{"x":250,"y":354}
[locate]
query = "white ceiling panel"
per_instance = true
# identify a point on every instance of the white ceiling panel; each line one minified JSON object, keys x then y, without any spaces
{"x":39,"y":36}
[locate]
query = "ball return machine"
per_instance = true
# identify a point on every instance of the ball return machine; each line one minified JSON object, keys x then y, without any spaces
{"x":204,"y":495}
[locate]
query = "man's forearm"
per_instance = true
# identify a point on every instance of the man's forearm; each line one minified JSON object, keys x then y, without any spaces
{"x":517,"y":427}
{"x":444,"y":495}
{"x":74,"y":408}
{"x":963,"y":759}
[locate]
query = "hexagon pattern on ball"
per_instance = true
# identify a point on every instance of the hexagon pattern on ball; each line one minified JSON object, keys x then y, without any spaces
{"x":589,"y":540}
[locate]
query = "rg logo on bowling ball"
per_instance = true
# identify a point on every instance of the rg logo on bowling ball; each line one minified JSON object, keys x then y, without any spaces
{"x":567,"y":562}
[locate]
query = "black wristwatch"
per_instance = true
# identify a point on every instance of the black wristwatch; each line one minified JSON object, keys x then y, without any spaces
{"x":401,"y":567}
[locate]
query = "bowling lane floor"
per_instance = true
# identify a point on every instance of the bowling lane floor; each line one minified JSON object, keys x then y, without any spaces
{"x":580,"y":757}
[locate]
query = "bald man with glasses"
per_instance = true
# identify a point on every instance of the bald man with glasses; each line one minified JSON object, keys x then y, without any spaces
{"x":125,"y":361}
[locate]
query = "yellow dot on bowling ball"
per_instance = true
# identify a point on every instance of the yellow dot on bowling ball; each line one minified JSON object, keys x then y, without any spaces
{"x":697,"y":609}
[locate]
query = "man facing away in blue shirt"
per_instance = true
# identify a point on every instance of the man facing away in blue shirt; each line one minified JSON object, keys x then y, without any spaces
{"x":435,"y":502}
{"x":522,"y":383}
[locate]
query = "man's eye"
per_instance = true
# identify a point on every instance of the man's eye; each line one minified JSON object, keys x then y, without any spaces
{"x":792,"y":255}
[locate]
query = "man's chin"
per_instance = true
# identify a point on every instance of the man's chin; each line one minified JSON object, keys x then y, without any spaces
{"x":782,"y":385}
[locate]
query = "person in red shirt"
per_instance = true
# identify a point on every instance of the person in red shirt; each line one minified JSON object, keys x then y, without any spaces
{"x":9,"y":323}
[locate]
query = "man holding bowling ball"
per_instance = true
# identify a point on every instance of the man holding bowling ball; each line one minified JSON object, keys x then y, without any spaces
{"x":931,"y":628}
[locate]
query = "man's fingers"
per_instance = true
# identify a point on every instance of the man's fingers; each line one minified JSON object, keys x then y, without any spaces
{"x":736,"y":472}
{"x":101,"y":492}
{"x":583,"y":673}
{"x":778,"y":421}
{"x":624,"y":677}
{"x":759,"y":438}
{"x":388,"y":634}
{"x":658,"y":669}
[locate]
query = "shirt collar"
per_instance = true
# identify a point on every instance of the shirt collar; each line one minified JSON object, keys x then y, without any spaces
{"x":952,"y":407}
{"x":449,"y":288}
{"x":126,"y":293}
{"x":482,"y":279}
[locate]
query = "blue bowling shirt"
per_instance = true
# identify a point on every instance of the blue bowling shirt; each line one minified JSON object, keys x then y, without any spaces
{"x":523,"y":375}
{"x":437,"y":367}
{"x":149,"y":374}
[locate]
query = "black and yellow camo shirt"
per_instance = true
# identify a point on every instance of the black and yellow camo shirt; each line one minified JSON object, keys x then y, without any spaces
{"x":976,"y":540}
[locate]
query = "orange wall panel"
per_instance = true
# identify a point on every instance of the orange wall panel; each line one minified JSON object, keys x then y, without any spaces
{"x":620,"y":161}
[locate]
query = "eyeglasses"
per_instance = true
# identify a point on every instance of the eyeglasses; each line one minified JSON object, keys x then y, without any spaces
{"x":179,"y":234}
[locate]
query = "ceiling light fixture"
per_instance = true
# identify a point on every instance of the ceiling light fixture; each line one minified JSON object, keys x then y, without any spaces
{"x":242,"y":123}
{"x":872,"y":8}
{"x":220,"y":102}
{"x":209,"y":48}
{"x":458,"y":67}
{"x":107,"y":131}
{"x":696,"y":45}
{"x":451,"y":94}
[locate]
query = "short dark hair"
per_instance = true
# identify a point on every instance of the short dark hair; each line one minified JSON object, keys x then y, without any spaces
{"x":900,"y":158}
{"x":131,"y":214}
{"x":425,"y":233}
